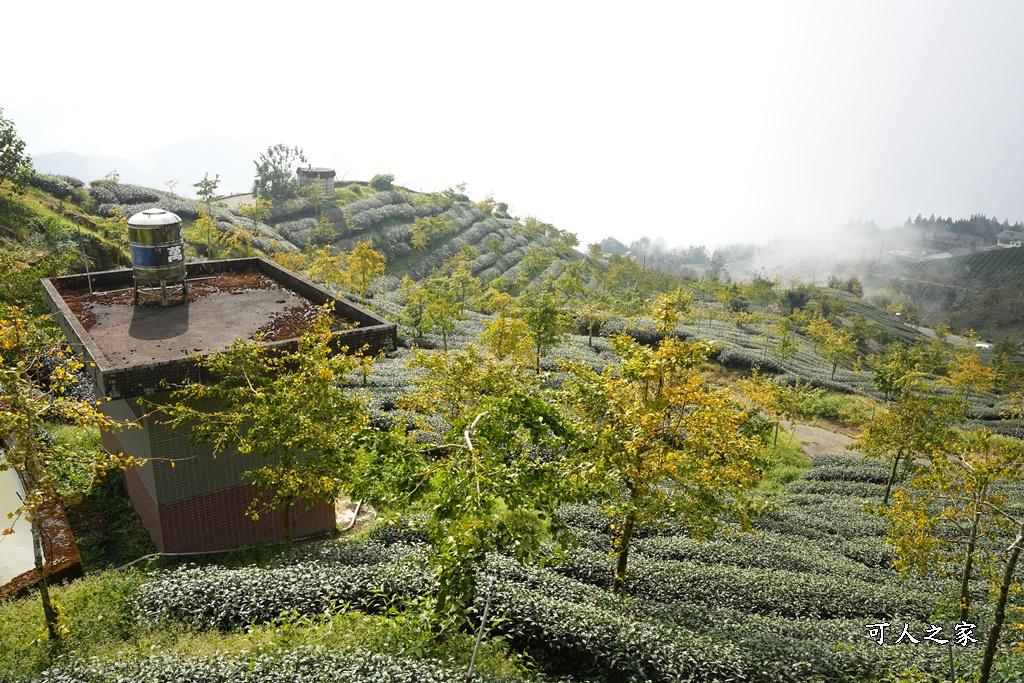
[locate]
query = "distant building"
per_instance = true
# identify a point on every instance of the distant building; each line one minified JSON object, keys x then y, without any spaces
{"x":1010,"y":239}
{"x":951,"y":241}
{"x":317,"y":174}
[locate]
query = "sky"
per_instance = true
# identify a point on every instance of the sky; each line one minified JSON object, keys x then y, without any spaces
{"x":700,"y":122}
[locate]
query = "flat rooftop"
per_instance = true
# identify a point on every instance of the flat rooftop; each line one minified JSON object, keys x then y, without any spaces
{"x":221,"y":308}
{"x":136,"y":349}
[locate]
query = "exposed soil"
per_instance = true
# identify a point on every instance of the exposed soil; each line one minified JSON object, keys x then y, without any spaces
{"x":287,"y":325}
{"x":818,"y":440}
{"x":345,"y":507}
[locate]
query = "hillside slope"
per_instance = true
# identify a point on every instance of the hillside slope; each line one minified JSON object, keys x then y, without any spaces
{"x":980,"y":291}
{"x":499,"y":246}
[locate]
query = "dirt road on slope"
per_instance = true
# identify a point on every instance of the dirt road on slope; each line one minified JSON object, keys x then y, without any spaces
{"x":832,"y":438}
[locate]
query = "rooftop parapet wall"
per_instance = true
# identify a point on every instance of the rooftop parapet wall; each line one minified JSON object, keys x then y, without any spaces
{"x":137,"y":351}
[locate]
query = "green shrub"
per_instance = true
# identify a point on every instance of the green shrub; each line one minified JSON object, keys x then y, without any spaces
{"x":85,"y":201}
{"x":382,"y":181}
{"x":60,"y":186}
{"x":303,"y":665}
{"x":215,"y":597}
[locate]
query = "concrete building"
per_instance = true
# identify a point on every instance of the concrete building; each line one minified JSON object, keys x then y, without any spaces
{"x":134,"y":353}
{"x":316,"y":174}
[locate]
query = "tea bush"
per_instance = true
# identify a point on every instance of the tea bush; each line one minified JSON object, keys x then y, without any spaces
{"x":306,"y":664}
{"x":215,"y":597}
{"x":60,"y":186}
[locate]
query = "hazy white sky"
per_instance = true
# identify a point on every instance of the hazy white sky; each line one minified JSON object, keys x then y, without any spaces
{"x":702,"y":122}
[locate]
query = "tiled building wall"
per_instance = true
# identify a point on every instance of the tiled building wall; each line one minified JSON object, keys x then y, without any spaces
{"x":220,"y":521}
{"x":175,"y":468}
{"x":145,"y":505}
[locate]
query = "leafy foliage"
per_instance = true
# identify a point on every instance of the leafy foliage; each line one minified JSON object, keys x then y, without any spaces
{"x":658,"y":441}
{"x":275,"y":169}
{"x":15,"y":162}
{"x":498,"y":476}
{"x":382,"y":181}
{"x":289,"y":408}
{"x":34,"y":394}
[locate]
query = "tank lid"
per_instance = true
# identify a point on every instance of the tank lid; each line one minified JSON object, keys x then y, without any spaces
{"x":154,"y":216}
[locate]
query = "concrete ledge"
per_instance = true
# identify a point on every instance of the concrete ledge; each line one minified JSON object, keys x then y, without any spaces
{"x":118,"y":376}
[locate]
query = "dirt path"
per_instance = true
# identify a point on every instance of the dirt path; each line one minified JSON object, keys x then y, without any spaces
{"x":832,"y":438}
{"x":344,"y":508}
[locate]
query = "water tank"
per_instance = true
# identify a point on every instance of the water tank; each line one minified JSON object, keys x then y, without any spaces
{"x":158,"y":252}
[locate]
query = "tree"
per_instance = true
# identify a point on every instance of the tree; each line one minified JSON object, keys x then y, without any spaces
{"x":258,"y":212}
{"x":787,"y":346}
{"x":415,"y":312}
{"x":571,"y":282}
{"x":427,"y":229}
{"x":889,"y":368}
{"x":835,"y":345}
{"x":33,"y":400}
{"x":968,"y":376}
{"x":507,"y":338}
{"x":206,"y":189}
{"x":364,"y":265}
{"x":290,"y":408}
{"x":315,"y":196}
{"x":495,"y":246}
{"x":275,"y":172}
{"x":234,"y":239}
{"x":545,"y":315}
{"x":656,"y":441}
{"x":1008,"y":370}
{"x":443,"y":310}
{"x":15,"y":163}
{"x":207,"y":224}
{"x":497,"y":478}
{"x":382,"y":181}
{"x":947,"y":509}
{"x":769,"y":397}
{"x":463,"y":284}
{"x":594,"y":319}
{"x":916,"y":422}
{"x":327,"y":267}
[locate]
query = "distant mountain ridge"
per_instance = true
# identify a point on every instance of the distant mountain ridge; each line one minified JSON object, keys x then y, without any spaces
{"x":185,"y":161}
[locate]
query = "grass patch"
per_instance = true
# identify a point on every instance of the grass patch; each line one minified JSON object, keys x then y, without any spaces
{"x":349,"y":194}
{"x":100,"y":624}
{"x":847,"y":409}
{"x":107,"y":529}
{"x":72,"y":476}
{"x":789,"y":464}
{"x":97,"y":619}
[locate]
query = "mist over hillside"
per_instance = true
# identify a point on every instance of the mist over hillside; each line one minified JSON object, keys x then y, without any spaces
{"x":186,"y":162}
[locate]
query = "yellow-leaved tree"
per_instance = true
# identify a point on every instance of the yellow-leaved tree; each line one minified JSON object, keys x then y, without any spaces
{"x":834,"y":344}
{"x":496,"y":479}
{"x":656,"y":441}
{"x":950,"y":507}
{"x":354,"y":270}
{"x":916,"y":422}
{"x":291,"y":408}
{"x":37,"y":378}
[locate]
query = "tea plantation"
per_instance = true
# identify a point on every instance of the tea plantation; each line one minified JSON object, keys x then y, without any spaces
{"x":809,"y":594}
{"x":794,"y":601}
